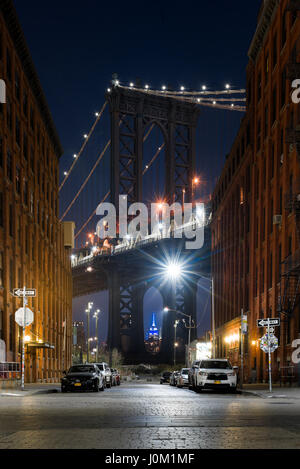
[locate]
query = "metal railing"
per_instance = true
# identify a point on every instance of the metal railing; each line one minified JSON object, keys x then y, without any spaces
{"x":10,"y":370}
{"x":129,"y":244}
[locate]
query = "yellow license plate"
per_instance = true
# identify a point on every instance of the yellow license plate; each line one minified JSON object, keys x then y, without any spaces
{"x":217,"y":382}
{"x":77,"y":384}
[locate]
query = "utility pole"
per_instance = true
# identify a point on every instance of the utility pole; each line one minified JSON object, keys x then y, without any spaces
{"x":96,"y":316}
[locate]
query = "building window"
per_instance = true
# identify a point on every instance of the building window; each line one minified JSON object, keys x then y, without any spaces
{"x":1,"y":270}
{"x":25,"y":146}
{"x":271,"y":271}
{"x":274,"y":105}
{"x":17,"y":85}
{"x":11,"y":275}
{"x":1,"y":152}
{"x":1,"y":325}
{"x":8,"y":115}
{"x":259,"y":86}
{"x":18,"y":179}
{"x":1,"y":209}
{"x":283,"y":30}
{"x":18,"y":133}
{"x":11,"y":332}
{"x":9,"y":165}
{"x":275,"y":50}
{"x":11,"y":221}
{"x":8,"y":65}
{"x":25,"y":103}
{"x":25,"y":192}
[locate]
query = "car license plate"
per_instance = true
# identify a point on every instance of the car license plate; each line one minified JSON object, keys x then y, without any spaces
{"x":217,"y":382}
{"x":77,"y":384}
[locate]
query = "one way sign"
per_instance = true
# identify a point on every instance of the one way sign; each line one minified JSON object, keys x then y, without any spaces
{"x":20,"y":292}
{"x":268,"y":321}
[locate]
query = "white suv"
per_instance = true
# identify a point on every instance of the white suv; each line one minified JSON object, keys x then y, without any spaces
{"x":216,"y":373}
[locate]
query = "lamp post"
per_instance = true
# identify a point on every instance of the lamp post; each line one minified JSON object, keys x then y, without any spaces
{"x":88,"y":311}
{"x":195,"y":181}
{"x":175,"y":343}
{"x":189,"y":327}
{"x":96,"y":316}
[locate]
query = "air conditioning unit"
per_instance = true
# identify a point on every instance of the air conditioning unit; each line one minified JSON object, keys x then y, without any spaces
{"x":277,"y":219}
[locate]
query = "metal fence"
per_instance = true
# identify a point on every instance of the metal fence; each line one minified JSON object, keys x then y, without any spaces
{"x":10,"y":370}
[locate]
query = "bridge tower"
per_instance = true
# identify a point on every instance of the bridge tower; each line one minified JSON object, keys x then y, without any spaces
{"x":131,"y":112}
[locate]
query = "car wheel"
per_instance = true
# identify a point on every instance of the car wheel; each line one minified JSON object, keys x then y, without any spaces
{"x":118,"y":383}
{"x":96,"y":389}
{"x":102,"y":388}
{"x":198,"y":389}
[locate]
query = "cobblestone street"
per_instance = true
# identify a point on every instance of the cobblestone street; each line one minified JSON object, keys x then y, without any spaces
{"x":148,"y":416}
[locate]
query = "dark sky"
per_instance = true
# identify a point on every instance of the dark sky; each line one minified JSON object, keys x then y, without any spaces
{"x":76,"y":46}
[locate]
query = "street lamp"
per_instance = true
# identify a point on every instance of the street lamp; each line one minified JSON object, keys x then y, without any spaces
{"x":195,"y":182}
{"x":189,"y":327}
{"x":175,"y":343}
{"x":173,"y":270}
{"x":96,"y":316}
{"x":88,"y":311}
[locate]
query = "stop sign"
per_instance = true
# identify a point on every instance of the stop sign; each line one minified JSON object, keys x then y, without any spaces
{"x":23,"y":319}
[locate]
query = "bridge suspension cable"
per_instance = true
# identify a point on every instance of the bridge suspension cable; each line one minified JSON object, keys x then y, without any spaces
{"x":148,"y":166}
{"x":99,"y":115}
{"x":93,"y":169}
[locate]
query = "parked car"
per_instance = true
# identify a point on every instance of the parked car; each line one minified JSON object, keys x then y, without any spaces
{"x":173,"y":378}
{"x":183,"y":378}
{"x":83,"y":377}
{"x":116,"y":379}
{"x":191,"y":374}
{"x":216,"y":373}
{"x":106,"y":373}
{"x":165,"y":377}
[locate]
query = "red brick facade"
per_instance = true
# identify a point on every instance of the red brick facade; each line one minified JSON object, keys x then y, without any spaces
{"x":32,"y":251}
{"x":260,"y":174}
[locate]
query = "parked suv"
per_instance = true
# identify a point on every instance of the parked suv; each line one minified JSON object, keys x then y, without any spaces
{"x":106,"y":373}
{"x":216,"y":373}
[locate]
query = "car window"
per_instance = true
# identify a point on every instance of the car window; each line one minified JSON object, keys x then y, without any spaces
{"x":81,"y":369}
{"x":215,"y":364}
{"x":185,"y":371}
{"x":101,"y":367}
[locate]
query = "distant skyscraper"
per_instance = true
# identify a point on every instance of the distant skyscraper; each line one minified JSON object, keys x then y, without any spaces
{"x":152,"y":340}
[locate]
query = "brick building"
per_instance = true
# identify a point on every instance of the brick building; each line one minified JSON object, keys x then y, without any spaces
{"x":255,"y":218}
{"x":32,"y":246}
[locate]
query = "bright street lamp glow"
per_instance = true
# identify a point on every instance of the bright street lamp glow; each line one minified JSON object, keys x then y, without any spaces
{"x":173,"y":270}
{"x":227,"y":86}
{"x":204,"y":87}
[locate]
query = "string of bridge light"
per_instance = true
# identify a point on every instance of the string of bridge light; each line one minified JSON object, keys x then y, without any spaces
{"x":204,"y":97}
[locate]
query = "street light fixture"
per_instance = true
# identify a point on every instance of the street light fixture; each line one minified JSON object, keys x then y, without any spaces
{"x":96,"y":316}
{"x":189,"y":327}
{"x":173,"y":270}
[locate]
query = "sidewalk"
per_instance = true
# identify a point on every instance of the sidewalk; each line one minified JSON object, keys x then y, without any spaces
{"x":31,"y":389}
{"x":262,"y":390}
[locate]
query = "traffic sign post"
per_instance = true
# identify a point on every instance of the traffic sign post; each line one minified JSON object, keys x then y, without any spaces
{"x":271,"y":344}
{"x":24,"y":317}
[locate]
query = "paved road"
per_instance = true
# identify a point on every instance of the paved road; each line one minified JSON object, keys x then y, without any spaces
{"x":148,"y":416}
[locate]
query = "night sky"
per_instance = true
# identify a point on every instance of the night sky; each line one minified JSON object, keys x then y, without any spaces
{"x":76,"y":46}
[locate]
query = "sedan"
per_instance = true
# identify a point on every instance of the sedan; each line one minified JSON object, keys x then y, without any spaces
{"x":84,"y":378}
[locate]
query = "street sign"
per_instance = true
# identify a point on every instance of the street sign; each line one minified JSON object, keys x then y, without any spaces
{"x":20,"y":292}
{"x":23,"y":318}
{"x":265,"y":343}
{"x":268,"y":321}
{"x":244,"y":324}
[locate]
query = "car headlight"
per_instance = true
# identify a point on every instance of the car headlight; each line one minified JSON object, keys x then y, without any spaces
{"x":203,"y":374}
{"x":230,"y":374}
